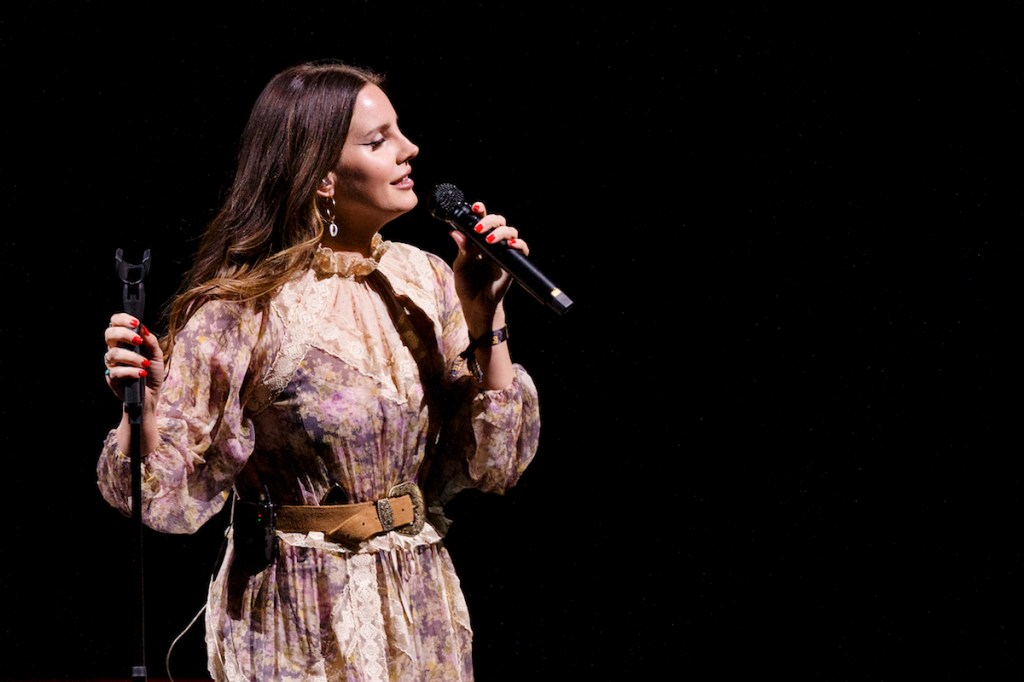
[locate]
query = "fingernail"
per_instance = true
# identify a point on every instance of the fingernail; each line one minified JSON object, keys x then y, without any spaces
{"x":479,"y":227}
{"x":133,"y":323}
{"x":143,"y":373}
{"x":146,"y":363}
{"x":145,"y":331}
{"x":477,"y":206}
{"x":136,"y":339}
{"x":512,"y":240}
{"x":490,"y":239}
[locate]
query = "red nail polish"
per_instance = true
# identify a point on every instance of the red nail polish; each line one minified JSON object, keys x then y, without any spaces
{"x":477,"y":206}
{"x":490,"y":239}
{"x":145,"y":363}
{"x":479,"y":227}
{"x":143,"y":373}
{"x":136,"y":339}
{"x":512,"y":241}
{"x":145,"y":331}
{"x":133,"y":323}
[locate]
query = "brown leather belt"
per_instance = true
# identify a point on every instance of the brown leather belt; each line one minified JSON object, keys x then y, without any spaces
{"x":402,"y":511}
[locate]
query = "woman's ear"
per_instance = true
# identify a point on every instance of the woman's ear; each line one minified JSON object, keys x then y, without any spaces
{"x":326,"y":188}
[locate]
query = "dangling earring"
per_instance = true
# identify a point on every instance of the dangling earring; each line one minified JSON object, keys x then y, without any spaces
{"x":332,"y":229}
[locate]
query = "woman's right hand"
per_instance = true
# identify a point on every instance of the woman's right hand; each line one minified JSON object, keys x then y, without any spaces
{"x":123,"y":363}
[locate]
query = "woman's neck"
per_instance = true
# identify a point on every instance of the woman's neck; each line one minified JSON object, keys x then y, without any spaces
{"x":348,"y":240}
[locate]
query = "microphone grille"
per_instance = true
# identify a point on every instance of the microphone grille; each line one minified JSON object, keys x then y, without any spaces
{"x":447,"y":197}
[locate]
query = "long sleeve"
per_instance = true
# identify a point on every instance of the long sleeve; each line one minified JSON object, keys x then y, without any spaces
{"x":205,"y":435}
{"x":490,"y":436}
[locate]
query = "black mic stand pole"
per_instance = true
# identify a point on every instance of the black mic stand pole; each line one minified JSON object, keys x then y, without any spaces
{"x":134,"y":392}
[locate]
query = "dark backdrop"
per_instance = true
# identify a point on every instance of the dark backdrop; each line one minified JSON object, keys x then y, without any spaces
{"x":780,"y":423}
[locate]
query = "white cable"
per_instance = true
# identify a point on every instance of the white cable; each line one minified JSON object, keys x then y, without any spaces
{"x":167,"y":660}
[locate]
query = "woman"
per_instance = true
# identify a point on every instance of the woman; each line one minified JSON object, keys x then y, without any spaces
{"x":338,"y":389}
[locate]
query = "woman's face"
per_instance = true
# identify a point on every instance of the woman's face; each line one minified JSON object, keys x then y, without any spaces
{"x":373,"y":183}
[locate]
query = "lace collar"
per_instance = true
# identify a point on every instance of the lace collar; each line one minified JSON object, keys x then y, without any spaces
{"x":327,"y":262}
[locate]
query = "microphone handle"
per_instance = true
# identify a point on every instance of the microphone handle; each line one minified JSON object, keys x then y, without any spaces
{"x":511,"y":261}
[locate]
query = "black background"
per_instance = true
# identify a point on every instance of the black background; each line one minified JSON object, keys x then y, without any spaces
{"x":780,"y":423}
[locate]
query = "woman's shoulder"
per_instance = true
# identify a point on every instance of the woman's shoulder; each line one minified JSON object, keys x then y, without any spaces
{"x":409,"y":251}
{"x":218,"y":315}
{"x":402,"y":257}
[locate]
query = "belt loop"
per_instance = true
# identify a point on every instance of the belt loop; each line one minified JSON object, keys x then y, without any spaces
{"x":386,"y":514}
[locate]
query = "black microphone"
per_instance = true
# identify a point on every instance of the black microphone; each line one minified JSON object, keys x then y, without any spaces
{"x":448,"y":204}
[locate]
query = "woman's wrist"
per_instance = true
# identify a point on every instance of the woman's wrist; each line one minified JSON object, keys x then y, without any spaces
{"x":485,"y":320}
{"x":492,"y":338}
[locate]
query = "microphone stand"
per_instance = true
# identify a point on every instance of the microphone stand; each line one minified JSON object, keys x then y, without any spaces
{"x":134,"y":304}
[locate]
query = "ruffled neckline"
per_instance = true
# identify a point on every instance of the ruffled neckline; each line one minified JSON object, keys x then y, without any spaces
{"x":328,"y":262}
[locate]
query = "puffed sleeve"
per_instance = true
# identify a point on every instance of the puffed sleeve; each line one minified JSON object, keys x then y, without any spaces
{"x":490,"y":436}
{"x":205,"y":435}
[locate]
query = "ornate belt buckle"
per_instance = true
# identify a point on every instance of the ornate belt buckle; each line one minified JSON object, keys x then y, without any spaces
{"x":419,"y":507}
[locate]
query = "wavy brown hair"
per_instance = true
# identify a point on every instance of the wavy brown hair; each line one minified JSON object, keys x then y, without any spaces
{"x":268,"y":227}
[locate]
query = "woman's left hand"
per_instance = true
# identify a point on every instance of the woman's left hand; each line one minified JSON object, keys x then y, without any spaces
{"x":480,"y":283}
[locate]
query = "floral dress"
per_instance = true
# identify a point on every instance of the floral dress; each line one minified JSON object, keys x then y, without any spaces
{"x":333,"y":391}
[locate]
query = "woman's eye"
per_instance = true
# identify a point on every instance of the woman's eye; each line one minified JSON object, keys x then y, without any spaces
{"x":375,"y":144}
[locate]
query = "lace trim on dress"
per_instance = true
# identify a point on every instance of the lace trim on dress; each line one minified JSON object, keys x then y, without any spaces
{"x":360,"y":631}
{"x":327,"y":262}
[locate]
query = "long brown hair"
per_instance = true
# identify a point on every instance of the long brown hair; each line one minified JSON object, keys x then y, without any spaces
{"x":268,"y":227}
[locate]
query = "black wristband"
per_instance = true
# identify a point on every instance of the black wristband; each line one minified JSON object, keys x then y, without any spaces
{"x":493,"y":339}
